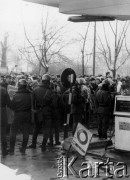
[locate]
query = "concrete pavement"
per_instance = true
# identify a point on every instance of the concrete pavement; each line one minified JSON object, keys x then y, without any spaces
{"x":43,"y":166}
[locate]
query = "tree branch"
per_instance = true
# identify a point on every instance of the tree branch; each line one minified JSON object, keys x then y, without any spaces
{"x":123,"y":62}
{"x":109,"y":49}
{"x":104,"y":53}
{"x":111,"y":28}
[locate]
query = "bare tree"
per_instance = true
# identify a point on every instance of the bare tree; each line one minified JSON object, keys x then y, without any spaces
{"x":114,"y":56}
{"x":48,"y":49}
{"x":83,"y":41}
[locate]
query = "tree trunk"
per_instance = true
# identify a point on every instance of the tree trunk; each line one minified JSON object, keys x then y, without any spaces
{"x":46,"y":69}
{"x":83,"y":66}
{"x":114,"y":73}
{"x":39,"y":68}
{"x":4,"y":57}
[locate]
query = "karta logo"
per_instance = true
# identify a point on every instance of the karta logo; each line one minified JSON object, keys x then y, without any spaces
{"x":90,"y":169}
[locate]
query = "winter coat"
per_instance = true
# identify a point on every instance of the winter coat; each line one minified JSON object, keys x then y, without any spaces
{"x":78,"y":101}
{"x":103,"y":102}
{"x":4,"y":98}
{"x":21,"y":101}
{"x":43,"y":95}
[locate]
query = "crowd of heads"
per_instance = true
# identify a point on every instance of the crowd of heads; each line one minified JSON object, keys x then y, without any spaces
{"x":106,"y":81}
{"x":96,"y":82}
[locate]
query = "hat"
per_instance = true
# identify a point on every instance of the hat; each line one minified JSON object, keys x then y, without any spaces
{"x":98,"y":78}
{"x":8,"y":76}
{"x":82,"y":81}
{"x":106,"y":82}
{"x":92,"y":79}
{"x":22,"y":82}
{"x":46,"y":77}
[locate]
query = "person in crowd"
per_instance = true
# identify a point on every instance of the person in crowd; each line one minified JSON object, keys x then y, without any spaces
{"x":125,"y":87}
{"x":93,"y":85}
{"x":5,"y":101}
{"x":109,"y":78}
{"x":118,"y":86}
{"x":56,"y":118}
{"x":29,"y":83}
{"x":88,"y":102}
{"x":85,"y":94}
{"x":34,"y":84}
{"x":2,"y":80}
{"x":58,"y":85}
{"x":113,"y":87}
{"x":78,"y":103}
{"x":98,"y":80}
{"x":12,"y":82}
{"x":6,"y":81}
{"x":84,"y":89}
{"x":21,"y":104}
{"x":43,"y":103}
{"x":103,"y":103}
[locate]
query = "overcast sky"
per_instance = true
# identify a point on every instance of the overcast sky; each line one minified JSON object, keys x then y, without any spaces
{"x":15,"y":13}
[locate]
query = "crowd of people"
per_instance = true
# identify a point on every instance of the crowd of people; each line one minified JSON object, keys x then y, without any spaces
{"x":42,"y":101}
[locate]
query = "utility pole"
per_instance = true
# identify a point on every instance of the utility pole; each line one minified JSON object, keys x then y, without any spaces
{"x":94,"y":49}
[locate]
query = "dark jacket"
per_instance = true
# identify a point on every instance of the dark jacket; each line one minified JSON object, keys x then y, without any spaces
{"x":58,"y":101}
{"x":103,"y":101}
{"x":4,"y":84}
{"x":77,"y":101}
{"x":43,"y":96}
{"x":65,"y":98}
{"x":93,"y":88}
{"x":4,"y":98}
{"x":21,"y":101}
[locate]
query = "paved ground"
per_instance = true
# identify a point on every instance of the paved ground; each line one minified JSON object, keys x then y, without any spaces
{"x":43,"y":166}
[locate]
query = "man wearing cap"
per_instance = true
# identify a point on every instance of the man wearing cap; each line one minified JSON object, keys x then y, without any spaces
{"x":21,"y":104}
{"x":43,"y":101}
